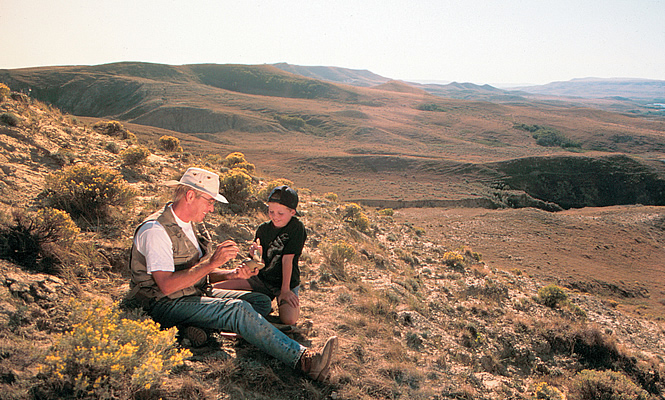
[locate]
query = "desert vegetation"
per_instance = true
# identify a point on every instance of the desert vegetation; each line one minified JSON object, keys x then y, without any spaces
{"x":417,"y":318}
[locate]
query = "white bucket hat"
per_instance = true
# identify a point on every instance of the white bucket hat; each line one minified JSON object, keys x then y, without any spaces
{"x":201,"y":180}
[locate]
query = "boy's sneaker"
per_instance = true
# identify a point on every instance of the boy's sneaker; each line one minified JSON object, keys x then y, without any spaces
{"x":317,"y":364}
{"x":196,"y":336}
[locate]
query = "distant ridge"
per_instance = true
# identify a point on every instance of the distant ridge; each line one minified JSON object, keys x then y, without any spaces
{"x":354,"y":77}
{"x":401,"y":87}
{"x":631,"y":88}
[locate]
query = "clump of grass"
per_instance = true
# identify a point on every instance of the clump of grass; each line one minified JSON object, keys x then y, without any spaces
{"x":336,"y":256}
{"x":87,"y":192}
{"x":610,"y":385}
{"x":10,"y":119}
{"x":105,"y":356}
{"x":38,"y":241}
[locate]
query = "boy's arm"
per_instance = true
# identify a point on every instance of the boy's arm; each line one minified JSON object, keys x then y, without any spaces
{"x":285,"y":294}
{"x":287,"y":270}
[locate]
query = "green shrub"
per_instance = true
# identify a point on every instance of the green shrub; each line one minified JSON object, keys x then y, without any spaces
{"x":237,"y":160}
{"x":430,"y":107}
{"x":336,"y":256}
{"x":236,"y":186}
{"x":37,"y":241}
{"x":87,"y":192}
{"x":546,"y":136}
{"x":10,"y":119}
{"x":290,"y":122}
{"x":112,"y":147}
{"x":113,"y":128}
{"x":604,"y":385}
{"x":546,"y":392}
{"x":134,"y":155}
{"x":552,"y":296}
{"x":4,"y":91}
{"x":170,"y":143}
{"x":108,"y":357}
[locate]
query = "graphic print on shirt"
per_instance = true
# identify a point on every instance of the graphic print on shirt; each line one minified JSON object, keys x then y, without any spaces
{"x":275,"y":250}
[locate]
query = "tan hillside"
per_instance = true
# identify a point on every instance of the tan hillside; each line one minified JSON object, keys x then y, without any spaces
{"x":434,"y":303}
{"x":411,"y":146}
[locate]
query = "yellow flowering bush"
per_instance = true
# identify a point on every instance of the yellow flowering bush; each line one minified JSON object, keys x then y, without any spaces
{"x":106,"y":356}
{"x":543,"y":391}
{"x":237,"y":160}
{"x":135,"y":155}
{"x":354,"y":215}
{"x":87,"y":191}
{"x":4,"y":91}
{"x":453,"y":259}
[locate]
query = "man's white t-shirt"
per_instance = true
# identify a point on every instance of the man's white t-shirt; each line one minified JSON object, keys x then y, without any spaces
{"x":155,"y":244}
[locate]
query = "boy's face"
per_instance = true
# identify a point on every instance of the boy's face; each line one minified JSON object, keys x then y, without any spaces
{"x":279,"y":214}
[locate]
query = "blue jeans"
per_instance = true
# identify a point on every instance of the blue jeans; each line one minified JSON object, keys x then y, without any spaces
{"x":230,"y":310}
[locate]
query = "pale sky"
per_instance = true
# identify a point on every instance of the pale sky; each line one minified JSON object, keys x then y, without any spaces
{"x":495,"y":42}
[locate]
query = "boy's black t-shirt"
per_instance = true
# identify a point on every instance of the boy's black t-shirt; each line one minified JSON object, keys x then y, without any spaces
{"x":277,"y":242}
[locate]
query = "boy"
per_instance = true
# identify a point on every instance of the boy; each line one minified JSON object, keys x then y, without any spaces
{"x":280,"y":242}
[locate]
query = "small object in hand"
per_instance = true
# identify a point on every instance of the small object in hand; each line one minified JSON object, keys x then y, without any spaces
{"x":252,"y":263}
{"x":257,"y":256}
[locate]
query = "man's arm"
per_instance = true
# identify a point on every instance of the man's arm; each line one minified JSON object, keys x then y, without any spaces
{"x":170,"y":282}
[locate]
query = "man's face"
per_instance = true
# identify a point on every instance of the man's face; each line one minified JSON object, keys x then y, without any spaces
{"x":202,"y":205}
{"x":279,"y":214}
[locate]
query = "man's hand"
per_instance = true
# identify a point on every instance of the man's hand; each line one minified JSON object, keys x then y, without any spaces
{"x":224,"y":252}
{"x":245,"y":272}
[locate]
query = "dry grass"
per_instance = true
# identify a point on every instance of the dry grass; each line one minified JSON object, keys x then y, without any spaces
{"x":410,"y":326}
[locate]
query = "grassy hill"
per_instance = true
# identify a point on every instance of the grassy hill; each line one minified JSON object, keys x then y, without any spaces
{"x":449,"y":303}
{"x":337,"y":137}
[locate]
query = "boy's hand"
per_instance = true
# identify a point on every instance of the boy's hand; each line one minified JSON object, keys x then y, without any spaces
{"x":256,"y":250}
{"x":287,"y":296}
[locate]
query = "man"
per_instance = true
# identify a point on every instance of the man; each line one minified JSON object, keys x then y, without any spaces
{"x":172,"y":268}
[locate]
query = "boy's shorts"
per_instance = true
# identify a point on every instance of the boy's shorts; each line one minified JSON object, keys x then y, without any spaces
{"x":259,"y":286}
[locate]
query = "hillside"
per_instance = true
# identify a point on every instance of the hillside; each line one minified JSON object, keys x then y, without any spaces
{"x":383,"y":143}
{"x":420,"y":310}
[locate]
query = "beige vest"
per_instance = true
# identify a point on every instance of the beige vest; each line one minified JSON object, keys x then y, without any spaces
{"x":185,"y":255}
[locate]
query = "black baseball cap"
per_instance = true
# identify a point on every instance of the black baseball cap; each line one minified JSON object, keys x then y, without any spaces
{"x":284,"y":195}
